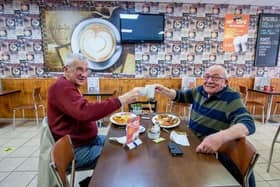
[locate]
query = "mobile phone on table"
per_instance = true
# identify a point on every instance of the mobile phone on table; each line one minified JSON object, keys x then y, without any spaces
{"x":174,"y":149}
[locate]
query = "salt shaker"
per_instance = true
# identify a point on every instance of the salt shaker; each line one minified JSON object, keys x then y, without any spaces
{"x":154,"y":132}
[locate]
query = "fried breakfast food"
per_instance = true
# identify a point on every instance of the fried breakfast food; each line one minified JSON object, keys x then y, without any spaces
{"x":122,"y":119}
{"x":167,"y":120}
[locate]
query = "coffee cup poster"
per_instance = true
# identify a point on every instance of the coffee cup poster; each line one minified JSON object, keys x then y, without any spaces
{"x":236,"y":33}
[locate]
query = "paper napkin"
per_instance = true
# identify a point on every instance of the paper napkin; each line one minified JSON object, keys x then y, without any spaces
{"x":179,"y":138}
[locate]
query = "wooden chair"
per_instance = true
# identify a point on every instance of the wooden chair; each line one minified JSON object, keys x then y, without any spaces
{"x":251,"y":103}
{"x":37,"y":102}
{"x":272,"y":147}
{"x":62,"y":154}
{"x":145,"y":106}
{"x":277,"y":103}
{"x":244,"y":155}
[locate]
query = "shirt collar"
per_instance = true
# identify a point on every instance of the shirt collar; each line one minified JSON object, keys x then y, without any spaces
{"x":217,"y":95}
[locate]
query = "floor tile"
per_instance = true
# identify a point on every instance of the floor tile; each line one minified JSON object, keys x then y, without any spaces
{"x":275,"y":183}
{"x":22,"y":163}
{"x":9,"y":164}
{"x":3,"y":175}
{"x":262,"y":184}
{"x":24,"y":151}
{"x":18,"y":179}
{"x":30,"y":164}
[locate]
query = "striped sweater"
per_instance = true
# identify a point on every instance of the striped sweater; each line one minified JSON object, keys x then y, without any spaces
{"x":218,"y":112}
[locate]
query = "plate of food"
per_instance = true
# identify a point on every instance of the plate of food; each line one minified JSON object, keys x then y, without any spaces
{"x":166,"y":120}
{"x":121,"y":118}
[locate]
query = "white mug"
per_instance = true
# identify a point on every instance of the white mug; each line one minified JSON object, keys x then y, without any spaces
{"x":150,"y":90}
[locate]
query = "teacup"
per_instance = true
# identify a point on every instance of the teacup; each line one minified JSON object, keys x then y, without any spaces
{"x":150,"y":90}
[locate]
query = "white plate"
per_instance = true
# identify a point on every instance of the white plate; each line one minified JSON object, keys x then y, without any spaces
{"x":126,"y":115}
{"x":154,"y":120}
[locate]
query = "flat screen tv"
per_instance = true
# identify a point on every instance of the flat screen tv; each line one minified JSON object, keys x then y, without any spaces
{"x":137,"y":28}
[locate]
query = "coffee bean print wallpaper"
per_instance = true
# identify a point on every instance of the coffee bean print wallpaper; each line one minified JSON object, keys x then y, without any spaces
{"x":35,"y":36}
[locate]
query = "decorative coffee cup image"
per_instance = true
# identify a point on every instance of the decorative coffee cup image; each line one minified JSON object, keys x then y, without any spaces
{"x":233,"y":57}
{"x":16,"y":71}
{"x":5,"y":57}
{"x":197,"y":71}
{"x":24,"y":7}
{"x":214,"y":35}
{"x":169,"y":34}
{"x":215,"y":10}
{"x":153,"y":71}
{"x":27,"y":32}
{"x":37,"y":47}
{"x":97,"y":42}
{"x":190,"y":57}
{"x":35,"y":22}
{"x":176,"y":48}
{"x":10,"y":22}
{"x":169,"y":9}
{"x":153,"y":48}
{"x":239,"y":43}
{"x":13,"y":47}
{"x":175,"y":71}
{"x":212,"y":57}
{"x":193,"y":10}
{"x":3,"y":33}
{"x":199,"y":48}
{"x":177,"y":24}
{"x":168,"y":57}
{"x":240,"y":72}
{"x":191,"y":34}
{"x":146,"y":8}
{"x":145,"y":57}
{"x":237,"y":11}
{"x":29,"y":57}
{"x":200,"y":25}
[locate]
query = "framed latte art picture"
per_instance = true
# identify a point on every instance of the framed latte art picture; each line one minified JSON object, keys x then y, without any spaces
{"x":89,"y":33}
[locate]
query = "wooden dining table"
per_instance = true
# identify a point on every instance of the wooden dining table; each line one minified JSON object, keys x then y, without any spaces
{"x":151,"y":165}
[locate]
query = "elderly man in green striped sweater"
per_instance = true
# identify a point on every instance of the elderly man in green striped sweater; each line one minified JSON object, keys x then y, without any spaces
{"x":218,"y":114}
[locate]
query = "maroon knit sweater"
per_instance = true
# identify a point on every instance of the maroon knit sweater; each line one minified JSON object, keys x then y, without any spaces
{"x":70,"y":113}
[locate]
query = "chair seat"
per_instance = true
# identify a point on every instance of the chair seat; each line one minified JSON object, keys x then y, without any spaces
{"x":24,"y":107}
{"x":37,"y":103}
{"x":255,"y":103}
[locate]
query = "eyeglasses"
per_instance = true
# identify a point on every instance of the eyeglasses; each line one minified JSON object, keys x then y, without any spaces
{"x":214,"y":78}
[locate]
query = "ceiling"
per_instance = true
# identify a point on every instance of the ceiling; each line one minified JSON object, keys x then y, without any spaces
{"x":233,"y":2}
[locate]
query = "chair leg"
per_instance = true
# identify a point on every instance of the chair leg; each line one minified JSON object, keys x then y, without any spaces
{"x":263,"y":115}
{"x":275,"y":109}
{"x":272,"y":148}
{"x":14,"y":118}
{"x":36,"y":117}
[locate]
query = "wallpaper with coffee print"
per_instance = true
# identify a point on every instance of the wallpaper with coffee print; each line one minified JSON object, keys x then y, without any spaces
{"x":33,"y":42}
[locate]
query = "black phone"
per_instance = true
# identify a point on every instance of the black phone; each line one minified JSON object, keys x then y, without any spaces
{"x":174,"y":149}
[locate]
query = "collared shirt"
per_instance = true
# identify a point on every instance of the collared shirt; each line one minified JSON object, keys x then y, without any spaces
{"x":217,"y":112}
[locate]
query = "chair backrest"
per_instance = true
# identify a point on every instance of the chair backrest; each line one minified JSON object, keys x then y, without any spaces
{"x":244,"y":93}
{"x":243,"y":154}
{"x":36,"y":97}
{"x":62,"y":154}
{"x":146,"y":106}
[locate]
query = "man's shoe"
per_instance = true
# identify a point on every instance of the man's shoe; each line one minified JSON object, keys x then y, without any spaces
{"x":85,"y":182}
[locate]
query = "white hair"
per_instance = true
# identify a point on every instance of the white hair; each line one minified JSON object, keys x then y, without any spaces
{"x":73,"y":57}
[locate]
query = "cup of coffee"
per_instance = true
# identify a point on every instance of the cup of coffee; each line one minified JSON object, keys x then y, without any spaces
{"x":150,"y":90}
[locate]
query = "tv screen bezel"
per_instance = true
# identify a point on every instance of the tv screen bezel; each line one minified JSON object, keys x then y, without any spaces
{"x":143,"y":40}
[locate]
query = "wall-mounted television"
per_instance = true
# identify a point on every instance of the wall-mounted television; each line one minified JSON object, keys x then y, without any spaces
{"x":136,"y":27}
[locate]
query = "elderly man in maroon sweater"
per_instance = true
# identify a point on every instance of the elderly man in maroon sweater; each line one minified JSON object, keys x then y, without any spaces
{"x":70,"y":113}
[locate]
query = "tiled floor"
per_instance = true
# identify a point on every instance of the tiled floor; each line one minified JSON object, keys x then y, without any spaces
{"x":19,"y":166}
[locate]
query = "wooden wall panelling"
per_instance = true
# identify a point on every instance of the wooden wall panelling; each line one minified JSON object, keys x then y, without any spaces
{"x":124,"y":84}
